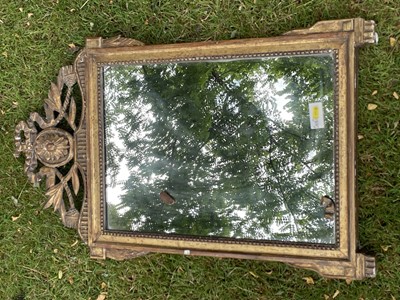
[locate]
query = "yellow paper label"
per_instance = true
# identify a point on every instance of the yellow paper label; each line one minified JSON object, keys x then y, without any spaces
{"x":316,"y":115}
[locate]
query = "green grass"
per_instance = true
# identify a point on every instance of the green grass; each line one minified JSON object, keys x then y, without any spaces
{"x":31,"y":55}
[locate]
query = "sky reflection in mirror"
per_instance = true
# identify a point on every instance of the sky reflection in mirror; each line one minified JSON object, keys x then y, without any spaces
{"x":238,"y":149}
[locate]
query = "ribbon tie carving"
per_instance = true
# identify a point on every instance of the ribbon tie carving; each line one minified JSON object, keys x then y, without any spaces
{"x":48,"y":148}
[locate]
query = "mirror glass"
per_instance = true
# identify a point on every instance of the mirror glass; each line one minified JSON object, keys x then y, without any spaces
{"x":236,"y":148}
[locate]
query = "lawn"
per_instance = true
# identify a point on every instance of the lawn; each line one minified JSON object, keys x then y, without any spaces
{"x":40,"y":259}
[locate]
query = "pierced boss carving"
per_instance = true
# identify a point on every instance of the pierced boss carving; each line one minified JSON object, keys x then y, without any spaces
{"x":54,"y":147}
{"x":41,"y":142}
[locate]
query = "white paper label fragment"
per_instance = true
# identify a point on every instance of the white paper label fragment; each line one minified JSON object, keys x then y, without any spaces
{"x":316,"y":115}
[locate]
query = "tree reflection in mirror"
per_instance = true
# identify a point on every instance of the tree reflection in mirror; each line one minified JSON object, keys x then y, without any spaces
{"x":239,"y":148}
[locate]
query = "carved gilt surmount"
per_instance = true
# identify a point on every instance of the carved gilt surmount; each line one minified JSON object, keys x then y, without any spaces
{"x":41,"y":142}
{"x":57,"y":147}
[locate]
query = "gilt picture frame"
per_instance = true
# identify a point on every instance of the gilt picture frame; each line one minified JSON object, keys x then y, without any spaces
{"x":70,"y":151}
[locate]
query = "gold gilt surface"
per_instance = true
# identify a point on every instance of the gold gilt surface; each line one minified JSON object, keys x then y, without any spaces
{"x":80,"y":148}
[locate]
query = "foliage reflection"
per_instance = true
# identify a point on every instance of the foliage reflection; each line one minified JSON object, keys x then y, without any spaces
{"x":229,"y":141}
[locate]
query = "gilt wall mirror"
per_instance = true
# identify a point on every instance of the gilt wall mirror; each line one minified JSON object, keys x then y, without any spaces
{"x":241,"y":148}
